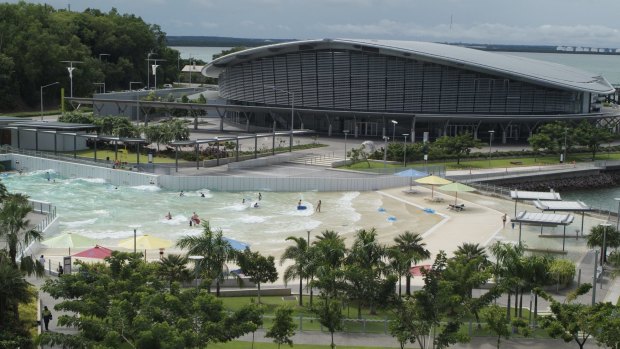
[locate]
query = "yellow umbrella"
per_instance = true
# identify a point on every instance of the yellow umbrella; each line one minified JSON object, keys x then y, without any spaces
{"x":145,"y":242}
{"x":433,"y":181}
{"x":456,"y":188}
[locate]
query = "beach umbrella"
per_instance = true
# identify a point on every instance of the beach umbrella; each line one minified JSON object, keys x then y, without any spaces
{"x":456,"y":188}
{"x":411,"y":173}
{"x":68,"y":240}
{"x":98,"y":252}
{"x":433,"y":181}
{"x":145,"y":242}
{"x":237,"y":245}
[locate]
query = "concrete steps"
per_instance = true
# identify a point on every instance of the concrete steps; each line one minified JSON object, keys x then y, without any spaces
{"x":323,"y":160}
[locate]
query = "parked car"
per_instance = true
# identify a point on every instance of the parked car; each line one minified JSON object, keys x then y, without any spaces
{"x":167,"y":85}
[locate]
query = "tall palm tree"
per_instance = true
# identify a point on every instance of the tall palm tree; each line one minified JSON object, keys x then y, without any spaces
{"x":599,"y":233}
{"x":174,"y":268}
{"x":471,"y":251}
{"x":299,"y":254}
{"x":14,"y":289}
{"x":508,"y":268}
{"x":328,"y":253}
{"x":413,"y":251}
{"x":15,"y":230}
{"x":364,"y":267}
{"x":215,"y":250}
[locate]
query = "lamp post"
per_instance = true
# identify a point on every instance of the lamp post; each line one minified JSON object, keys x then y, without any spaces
{"x":385,"y":139}
{"x":604,"y":249}
{"x":197,"y":260}
{"x":618,"y":216}
{"x":70,"y":69}
{"x":346,"y":133}
{"x":394,"y":123}
{"x":133,"y":82}
{"x":564,"y":156}
{"x":292,"y":94}
{"x":148,"y":69}
{"x":42,"y":87}
{"x":594,"y":278}
{"x":490,"y":145}
{"x":405,"y":135}
{"x":100,"y":84}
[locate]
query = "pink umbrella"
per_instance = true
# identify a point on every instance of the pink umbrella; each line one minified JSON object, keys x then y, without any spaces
{"x":99,"y":252}
{"x":417,"y":270}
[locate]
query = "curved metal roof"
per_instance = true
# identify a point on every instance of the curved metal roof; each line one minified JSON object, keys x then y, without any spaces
{"x":519,"y":68}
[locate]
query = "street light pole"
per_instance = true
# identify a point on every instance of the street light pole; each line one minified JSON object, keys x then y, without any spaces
{"x":405,"y":135}
{"x":565,"y":133}
{"x":197,"y":260}
{"x":70,"y":69}
{"x":385,"y":138}
{"x":42,"y":87}
{"x":133,"y":82}
{"x":346,"y":133}
{"x":148,"y":69}
{"x":490,"y":145}
{"x":618,"y":216}
{"x":292,"y":94}
{"x":594,"y":277}
{"x":394,"y":123}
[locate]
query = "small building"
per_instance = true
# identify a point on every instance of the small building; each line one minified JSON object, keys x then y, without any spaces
{"x":44,"y":136}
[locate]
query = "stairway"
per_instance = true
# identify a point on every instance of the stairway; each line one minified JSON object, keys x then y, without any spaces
{"x":323,"y":160}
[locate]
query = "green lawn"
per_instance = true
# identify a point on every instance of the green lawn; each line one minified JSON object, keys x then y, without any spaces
{"x":257,"y":345}
{"x":485,"y":163}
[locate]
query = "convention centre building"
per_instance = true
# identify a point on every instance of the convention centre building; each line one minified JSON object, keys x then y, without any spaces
{"x":382,"y":88}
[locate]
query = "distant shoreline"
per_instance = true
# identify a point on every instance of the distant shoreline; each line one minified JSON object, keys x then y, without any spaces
{"x":216,"y":41}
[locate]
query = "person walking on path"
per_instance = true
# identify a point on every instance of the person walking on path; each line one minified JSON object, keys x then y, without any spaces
{"x":42,"y":261}
{"x":504,"y":218}
{"x":47,"y":316}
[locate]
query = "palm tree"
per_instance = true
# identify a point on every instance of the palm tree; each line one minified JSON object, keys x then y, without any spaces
{"x":606,"y":232}
{"x":508,"y":269}
{"x":14,"y":289}
{"x":327,"y":256}
{"x":15,"y":230}
{"x":536,"y":273}
{"x":3,"y":192}
{"x":215,"y":250}
{"x":364,"y":267}
{"x":174,"y":268}
{"x":413,"y":251}
{"x":299,"y":254}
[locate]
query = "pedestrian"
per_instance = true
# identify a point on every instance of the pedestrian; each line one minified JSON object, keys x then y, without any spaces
{"x":318,"y":206}
{"x":504,"y":218}
{"x":60,"y":270}
{"x":47,"y":175}
{"x":47,"y":316}
{"x":42,"y":261}
{"x":299,"y":203}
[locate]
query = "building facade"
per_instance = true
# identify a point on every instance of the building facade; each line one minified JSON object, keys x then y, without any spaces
{"x":376,"y":88}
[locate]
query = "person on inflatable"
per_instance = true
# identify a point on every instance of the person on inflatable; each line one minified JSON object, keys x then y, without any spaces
{"x":195,"y":218}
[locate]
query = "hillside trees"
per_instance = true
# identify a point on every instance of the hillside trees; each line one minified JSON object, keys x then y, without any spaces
{"x":111,"y":47}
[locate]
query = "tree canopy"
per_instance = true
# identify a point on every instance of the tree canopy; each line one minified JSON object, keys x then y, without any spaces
{"x":110,"y":47}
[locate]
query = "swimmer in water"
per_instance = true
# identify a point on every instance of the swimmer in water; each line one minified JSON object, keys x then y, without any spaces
{"x":299,"y":203}
{"x":181,"y":193}
{"x":256,"y":204}
{"x":260,"y":196}
{"x":168,"y":216}
{"x":202,"y":195}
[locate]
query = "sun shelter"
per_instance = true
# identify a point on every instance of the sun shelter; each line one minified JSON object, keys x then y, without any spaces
{"x":564,"y":206}
{"x":517,"y":195}
{"x":411,"y":173}
{"x":544,"y":220}
{"x":433,"y":181}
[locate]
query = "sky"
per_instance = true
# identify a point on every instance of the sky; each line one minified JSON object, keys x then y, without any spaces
{"x":592,"y":23}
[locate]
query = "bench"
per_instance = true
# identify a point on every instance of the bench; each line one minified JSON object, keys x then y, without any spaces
{"x":459,"y":207}
{"x":516,"y":162}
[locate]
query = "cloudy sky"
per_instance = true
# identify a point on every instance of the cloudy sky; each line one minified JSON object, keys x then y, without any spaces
{"x":554,"y":22}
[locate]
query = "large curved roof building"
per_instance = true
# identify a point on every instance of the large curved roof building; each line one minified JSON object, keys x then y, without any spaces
{"x":370,"y":86}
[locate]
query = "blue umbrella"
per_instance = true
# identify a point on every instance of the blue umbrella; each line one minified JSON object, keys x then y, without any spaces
{"x":411,"y":173}
{"x":237,"y":245}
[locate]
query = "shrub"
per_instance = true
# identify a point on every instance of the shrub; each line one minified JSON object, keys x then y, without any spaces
{"x":562,"y":271}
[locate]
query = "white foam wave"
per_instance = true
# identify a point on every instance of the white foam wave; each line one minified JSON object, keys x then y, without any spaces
{"x":236,"y":207}
{"x":88,"y":180}
{"x":77,"y":224}
{"x":176,"y":220}
{"x":150,"y":187}
{"x":251,"y":219}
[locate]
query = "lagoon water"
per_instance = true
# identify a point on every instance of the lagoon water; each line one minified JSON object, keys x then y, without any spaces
{"x":106,"y":213}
